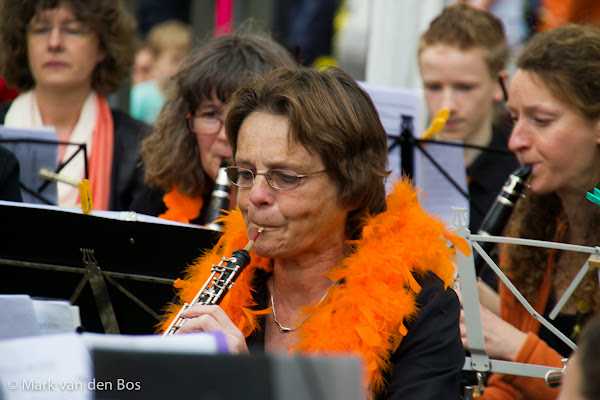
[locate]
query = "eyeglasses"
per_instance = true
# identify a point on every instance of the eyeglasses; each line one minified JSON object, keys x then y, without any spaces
{"x":278,"y":179}
{"x":205,"y":123}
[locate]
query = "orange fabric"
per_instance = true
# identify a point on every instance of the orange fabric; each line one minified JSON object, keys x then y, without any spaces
{"x":555,"y":13}
{"x":102,"y":156}
{"x":368,"y":311}
{"x":181,"y":207}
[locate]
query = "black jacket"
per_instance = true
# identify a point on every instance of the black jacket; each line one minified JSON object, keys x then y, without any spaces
{"x":419,"y":367}
{"x":9,"y":176}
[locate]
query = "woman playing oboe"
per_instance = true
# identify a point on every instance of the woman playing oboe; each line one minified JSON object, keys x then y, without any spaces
{"x":554,"y":100}
{"x":183,"y":153}
{"x":338,"y":268}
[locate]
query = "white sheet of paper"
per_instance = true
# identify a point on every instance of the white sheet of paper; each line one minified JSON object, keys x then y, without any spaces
{"x":60,"y":366}
{"x":392,"y":104}
{"x":56,"y":316}
{"x":437,"y":195}
{"x":45,"y":368}
{"x":17,"y":317}
{"x":116,"y":215}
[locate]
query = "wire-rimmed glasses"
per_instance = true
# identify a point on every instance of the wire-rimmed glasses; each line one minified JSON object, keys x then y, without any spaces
{"x":278,"y":179}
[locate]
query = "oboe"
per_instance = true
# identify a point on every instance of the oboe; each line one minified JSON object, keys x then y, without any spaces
{"x":221,"y":279}
{"x":495,"y":220}
{"x":219,"y":199}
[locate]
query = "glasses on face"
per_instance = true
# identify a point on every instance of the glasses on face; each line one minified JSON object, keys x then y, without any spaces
{"x":278,"y":179}
{"x":206,"y":123}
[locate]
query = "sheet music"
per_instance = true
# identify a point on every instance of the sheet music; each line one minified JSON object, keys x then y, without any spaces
{"x":56,"y":316}
{"x":391,"y":105}
{"x":437,"y":194}
{"x":61,"y":366}
{"x":32,"y":157}
{"x":116,"y":215}
{"x":45,"y":368}
{"x":17,"y":317}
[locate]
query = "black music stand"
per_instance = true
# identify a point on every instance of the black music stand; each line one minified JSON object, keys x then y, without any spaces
{"x":408,"y":144}
{"x":36,"y":149}
{"x":118,"y":271}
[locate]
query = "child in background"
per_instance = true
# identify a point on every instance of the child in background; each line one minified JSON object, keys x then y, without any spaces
{"x":169,"y":42}
{"x":142,"y":65}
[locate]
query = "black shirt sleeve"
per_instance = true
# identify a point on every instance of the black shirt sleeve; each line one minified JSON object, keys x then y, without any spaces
{"x":429,"y":360}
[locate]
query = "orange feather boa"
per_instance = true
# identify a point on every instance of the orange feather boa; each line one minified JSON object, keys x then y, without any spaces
{"x":181,"y":207}
{"x":367,"y":312}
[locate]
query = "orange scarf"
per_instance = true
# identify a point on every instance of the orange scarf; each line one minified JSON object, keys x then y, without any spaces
{"x":102,"y":156}
{"x":181,"y":207}
{"x":368,"y":311}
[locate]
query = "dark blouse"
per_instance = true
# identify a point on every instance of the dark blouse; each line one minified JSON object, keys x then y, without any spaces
{"x":429,"y":360}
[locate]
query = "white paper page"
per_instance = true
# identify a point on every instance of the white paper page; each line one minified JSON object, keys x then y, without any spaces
{"x":45,"y":368}
{"x":437,"y":195}
{"x":116,"y":215}
{"x":198,"y":343}
{"x":56,"y":316}
{"x":17,"y":317}
{"x":392,"y":104}
{"x":59,"y":366}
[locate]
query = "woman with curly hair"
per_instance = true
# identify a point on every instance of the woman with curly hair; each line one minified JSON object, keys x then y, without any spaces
{"x":183,"y":153}
{"x":66,"y":56}
{"x":554,"y":100}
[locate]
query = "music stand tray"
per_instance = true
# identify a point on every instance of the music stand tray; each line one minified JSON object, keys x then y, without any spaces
{"x":118,"y":267}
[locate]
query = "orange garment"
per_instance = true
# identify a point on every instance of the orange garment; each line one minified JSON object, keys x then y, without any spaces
{"x":534,"y":350}
{"x":555,"y":13}
{"x":181,"y":207}
{"x":367,"y":312}
{"x":102,"y":155}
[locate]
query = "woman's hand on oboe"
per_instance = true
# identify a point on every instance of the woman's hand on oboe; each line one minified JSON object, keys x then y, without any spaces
{"x":202,"y":318}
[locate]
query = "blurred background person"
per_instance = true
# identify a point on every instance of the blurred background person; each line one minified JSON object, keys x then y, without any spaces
{"x":66,"y":57}
{"x":320,"y":265}
{"x":150,"y":13}
{"x":169,"y":43}
{"x":142,"y":65}
{"x":580,"y":381}
{"x":183,"y":154}
{"x":462,"y":59}
{"x":554,"y":101}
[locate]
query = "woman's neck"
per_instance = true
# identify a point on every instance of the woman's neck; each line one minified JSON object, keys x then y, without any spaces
{"x":577,"y":210}
{"x":61,"y":109}
{"x":300,"y":282}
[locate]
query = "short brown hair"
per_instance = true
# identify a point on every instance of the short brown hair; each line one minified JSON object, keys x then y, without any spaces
{"x":107,"y":18}
{"x":567,"y":61}
{"x":171,"y":155}
{"x":465,"y":27}
{"x":332,"y":117}
{"x":169,"y":35}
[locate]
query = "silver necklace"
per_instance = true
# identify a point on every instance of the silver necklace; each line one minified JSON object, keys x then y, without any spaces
{"x":287,"y":329}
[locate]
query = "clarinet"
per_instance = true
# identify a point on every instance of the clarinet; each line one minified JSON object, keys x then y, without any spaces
{"x":221,"y":279}
{"x":219,"y":199}
{"x":495,"y":220}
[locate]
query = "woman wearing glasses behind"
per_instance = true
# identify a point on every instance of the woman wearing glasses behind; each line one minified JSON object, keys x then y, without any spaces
{"x":188,"y":144}
{"x":337,"y":268}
